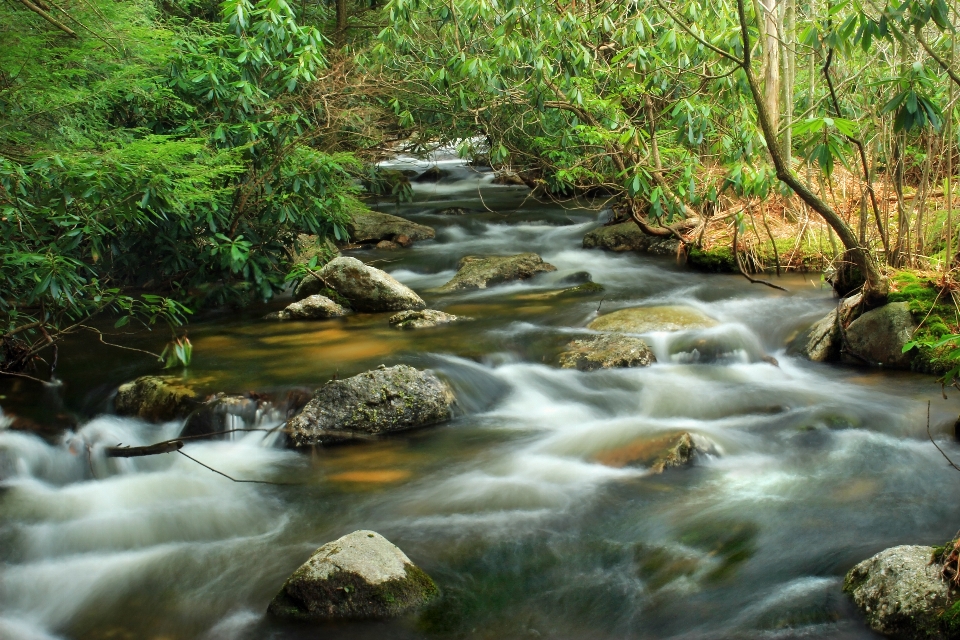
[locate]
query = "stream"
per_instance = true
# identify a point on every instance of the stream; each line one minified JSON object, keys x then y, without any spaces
{"x":518,"y":508}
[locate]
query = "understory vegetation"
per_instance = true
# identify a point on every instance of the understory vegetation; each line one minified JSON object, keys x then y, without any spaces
{"x":157,"y":158}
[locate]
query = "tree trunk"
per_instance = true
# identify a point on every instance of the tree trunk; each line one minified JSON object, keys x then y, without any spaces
{"x":341,"y":32}
{"x":789,"y":75}
{"x":876,"y":286}
{"x":772,"y":30}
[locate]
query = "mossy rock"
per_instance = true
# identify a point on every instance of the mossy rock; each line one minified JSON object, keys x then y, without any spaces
{"x":481,"y":272}
{"x":607,"y":352}
{"x":715,"y":260}
{"x":373,"y":226}
{"x":359,"y":576}
{"x":156,"y":399}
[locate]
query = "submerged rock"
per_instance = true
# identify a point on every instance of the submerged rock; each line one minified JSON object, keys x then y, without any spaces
{"x":646,"y":319}
{"x":453,"y":211}
{"x":878,"y":336}
{"x":901,"y":593}
{"x":373,"y":227}
{"x":361,"y":575}
{"x":315,"y":307}
{"x":577,"y":277}
{"x":607,"y":352}
{"x":679,"y":453}
{"x":477,"y":272}
{"x":658,"y":452}
{"x":381,"y":401}
{"x":156,"y":398}
{"x":365,"y":288}
{"x":422,"y":319}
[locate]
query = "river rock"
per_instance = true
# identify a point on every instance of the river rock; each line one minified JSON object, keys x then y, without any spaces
{"x":361,"y":575}
{"x":479,"y":272}
{"x":658,"y":452}
{"x":433,"y":174}
{"x":156,"y":398}
{"x":315,"y":307}
{"x":384,"y":400}
{"x":900,"y":593}
{"x":373,"y":227}
{"x":452,"y":211}
{"x":627,"y":236}
{"x":577,"y":277}
{"x":609,"y":351}
{"x":878,"y":336}
{"x":647,"y":319}
{"x":219,"y":413}
{"x":422,"y":319}
{"x":365,"y":288}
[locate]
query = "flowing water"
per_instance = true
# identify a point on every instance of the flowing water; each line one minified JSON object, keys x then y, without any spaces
{"x":522,"y":508}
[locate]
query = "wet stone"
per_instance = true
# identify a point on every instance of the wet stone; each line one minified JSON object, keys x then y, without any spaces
{"x":607,"y":352}
{"x":385,"y":400}
{"x":359,"y":576}
{"x":155,"y":398}
{"x":422,"y":319}
{"x":374,"y":227}
{"x":315,"y":307}
{"x":365,"y":288}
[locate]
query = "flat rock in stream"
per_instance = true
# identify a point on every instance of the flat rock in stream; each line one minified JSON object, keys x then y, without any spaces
{"x":609,"y":351}
{"x":481,"y":272}
{"x":658,"y":452}
{"x":647,"y":319}
{"x":156,"y":399}
{"x":901,"y":593}
{"x":373,"y":227}
{"x":385,"y":400}
{"x":359,"y":576}
{"x":366,"y":288}
{"x":422,"y":319}
{"x":315,"y":307}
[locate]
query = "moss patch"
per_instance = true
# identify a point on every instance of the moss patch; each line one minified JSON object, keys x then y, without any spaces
{"x":934,"y":312}
{"x":716,"y":259}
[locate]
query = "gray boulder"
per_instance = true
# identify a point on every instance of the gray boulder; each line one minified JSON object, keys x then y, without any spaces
{"x":509,"y":178}
{"x":422,"y":319}
{"x":365,"y":288}
{"x":646,"y":319}
{"x":381,"y":401}
{"x":822,"y":342}
{"x":315,"y":307}
{"x":156,"y":399}
{"x":878,"y":336}
{"x":373,"y":226}
{"x":900,"y":592}
{"x":607,"y":352}
{"x":476,"y":272}
{"x":361,"y":575}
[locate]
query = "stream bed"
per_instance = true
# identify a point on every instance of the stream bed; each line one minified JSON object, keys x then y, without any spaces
{"x":519,"y":508}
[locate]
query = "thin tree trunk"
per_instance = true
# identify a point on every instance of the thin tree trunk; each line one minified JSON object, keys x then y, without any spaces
{"x":772,"y":29}
{"x":789,"y":75}
{"x":341,"y":33}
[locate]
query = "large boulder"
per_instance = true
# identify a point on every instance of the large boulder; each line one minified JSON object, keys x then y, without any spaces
{"x":361,"y":575}
{"x":476,"y":272}
{"x":365,"y":288}
{"x":384,"y":400}
{"x":433,"y":174}
{"x":373,"y":226}
{"x":156,"y":398}
{"x":647,"y":319}
{"x":878,"y":336}
{"x":315,"y":307}
{"x":607,"y":352}
{"x":901,"y":593}
{"x":422,"y":319}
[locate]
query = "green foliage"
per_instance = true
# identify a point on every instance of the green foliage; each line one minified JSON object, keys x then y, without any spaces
{"x":174,"y":157}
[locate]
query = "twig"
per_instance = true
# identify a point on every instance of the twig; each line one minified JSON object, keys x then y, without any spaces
{"x":232,"y":478}
{"x":49,"y":18}
{"x":23,"y":375}
{"x":168,"y":446}
{"x":736,"y":255}
{"x":934,"y":442}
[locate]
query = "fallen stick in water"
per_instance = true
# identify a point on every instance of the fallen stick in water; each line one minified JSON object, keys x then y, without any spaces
{"x":169,"y":446}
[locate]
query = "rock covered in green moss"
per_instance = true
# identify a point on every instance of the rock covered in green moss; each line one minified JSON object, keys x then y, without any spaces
{"x":376,"y":402}
{"x":480,"y":272}
{"x":361,"y":575}
{"x":422,"y":319}
{"x":373,"y":226}
{"x":609,"y":351}
{"x":156,"y":398}
{"x":901,"y":593}
{"x":627,"y":236}
{"x":879,"y":335}
{"x":647,"y":319}
{"x":365,"y":288}
{"x":315,"y":307}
